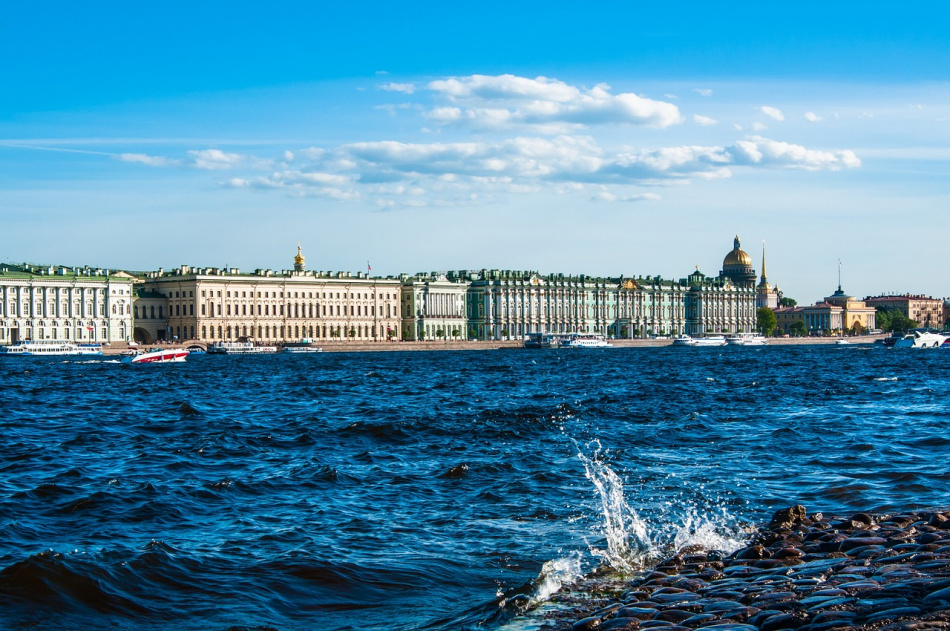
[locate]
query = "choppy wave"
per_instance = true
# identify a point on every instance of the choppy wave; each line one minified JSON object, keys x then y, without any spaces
{"x":427,"y":490}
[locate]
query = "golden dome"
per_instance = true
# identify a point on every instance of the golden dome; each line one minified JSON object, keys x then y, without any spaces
{"x":298,"y":260}
{"x":737,"y":258}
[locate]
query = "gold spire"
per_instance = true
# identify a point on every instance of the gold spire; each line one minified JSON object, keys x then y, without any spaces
{"x":298,"y":260}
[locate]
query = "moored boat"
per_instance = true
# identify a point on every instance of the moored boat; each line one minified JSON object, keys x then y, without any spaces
{"x":305,"y":345}
{"x":51,"y":348}
{"x":239,"y":348}
{"x":302,"y":349}
{"x":709,"y":340}
{"x":541,"y":340}
{"x":747,"y":339}
{"x":585,"y":340}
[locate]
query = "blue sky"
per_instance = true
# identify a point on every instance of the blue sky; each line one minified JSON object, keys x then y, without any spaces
{"x":623,"y":138}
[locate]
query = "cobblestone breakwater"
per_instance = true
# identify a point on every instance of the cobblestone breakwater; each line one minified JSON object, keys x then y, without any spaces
{"x":812,"y":572}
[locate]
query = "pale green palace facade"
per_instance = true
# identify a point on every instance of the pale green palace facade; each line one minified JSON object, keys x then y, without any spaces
{"x":63,"y":303}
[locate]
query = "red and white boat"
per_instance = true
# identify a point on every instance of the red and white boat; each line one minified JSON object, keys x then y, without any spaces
{"x":160,"y":356}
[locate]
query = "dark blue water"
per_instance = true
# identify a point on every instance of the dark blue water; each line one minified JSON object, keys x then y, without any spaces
{"x":427,"y":490}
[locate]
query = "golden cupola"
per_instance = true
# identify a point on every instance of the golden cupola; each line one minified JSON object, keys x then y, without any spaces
{"x":299,"y":264}
{"x":737,"y":258}
{"x":737,"y":267}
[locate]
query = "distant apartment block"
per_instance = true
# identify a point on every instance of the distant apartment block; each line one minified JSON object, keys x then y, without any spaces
{"x":926,"y":311}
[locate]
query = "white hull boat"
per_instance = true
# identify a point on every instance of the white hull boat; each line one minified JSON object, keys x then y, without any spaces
{"x":48,"y":348}
{"x":159,"y":356}
{"x":921,"y":339}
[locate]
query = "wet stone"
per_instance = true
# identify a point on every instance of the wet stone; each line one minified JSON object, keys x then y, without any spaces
{"x":825,"y":616}
{"x":674,"y":615}
{"x":942,"y":594}
{"x":640,"y":613}
{"x":892,"y":575}
{"x":882,"y":604}
{"x":893,"y":614}
{"x":834,"y":602}
{"x":700,"y":618}
{"x":586,"y":624}
{"x":783,"y":621}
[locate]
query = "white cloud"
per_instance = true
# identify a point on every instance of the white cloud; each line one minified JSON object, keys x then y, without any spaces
{"x":758,"y":151}
{"x":570,"y":159}
{"x":772,"y":112}
{"x":542,"y":104}
{"x":811,"y":117}
{"x":607,"y":196}
{"x":406,"y":88}
{"x":757,"y":126}
{"x":703,"y":91}
{"x":214,"y":159}
{"x":705,"y":121}
{"x":154,"y":161}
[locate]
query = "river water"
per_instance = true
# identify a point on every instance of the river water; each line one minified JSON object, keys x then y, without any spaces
{"x":428,"y":490}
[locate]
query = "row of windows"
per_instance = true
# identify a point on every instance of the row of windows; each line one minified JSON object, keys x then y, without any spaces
{"x":280,"y":294}
{"x":293,"y":311}
{"x":277,"y":333}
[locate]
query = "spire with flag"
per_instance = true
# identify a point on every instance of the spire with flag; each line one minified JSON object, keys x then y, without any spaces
{"x":369,"y":268}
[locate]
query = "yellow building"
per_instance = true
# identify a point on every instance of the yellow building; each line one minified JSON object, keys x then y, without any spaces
{"x":210,"y":304}
{"x":926,"y":311}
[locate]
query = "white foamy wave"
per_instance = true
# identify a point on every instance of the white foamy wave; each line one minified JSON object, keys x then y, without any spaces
{"x":709,"y":532}
{"x":556,"y":574}
{"x":885,"y":379}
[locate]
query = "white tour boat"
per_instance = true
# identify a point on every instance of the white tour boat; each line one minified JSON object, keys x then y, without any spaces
{"x":305,"y":345}
{"x":585,"y":340}
{"x":302,"y":349}
{"x":159,"y":356}
{"x":747,"y":339}
{"x":921,"y":339}
{"x":709,"y":340}
{"x":239,"y":348}
{"x":51,"y":348}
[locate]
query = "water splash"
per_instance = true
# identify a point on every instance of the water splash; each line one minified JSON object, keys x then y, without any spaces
{"x":625,"y":533}
{"x":634,"y":542}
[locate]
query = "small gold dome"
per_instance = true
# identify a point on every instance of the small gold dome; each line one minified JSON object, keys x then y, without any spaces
{"x":737,"y":258}
{"x":298,"y":260}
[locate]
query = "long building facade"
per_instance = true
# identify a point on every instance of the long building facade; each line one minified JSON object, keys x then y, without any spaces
{"x":509,"y":304}
{"x":209,"y":304}
{"x":62,"y":303}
